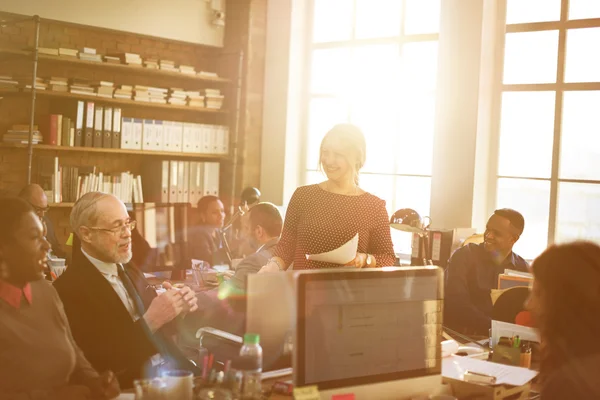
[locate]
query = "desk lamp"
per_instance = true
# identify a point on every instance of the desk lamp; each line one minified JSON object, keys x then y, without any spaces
{"x":408,"y":220}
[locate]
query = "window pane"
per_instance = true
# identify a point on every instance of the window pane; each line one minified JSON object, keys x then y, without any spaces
{"x":578,"y":215}
{"x":582,"y":9}
{"x":381,"y":186}
{"x":422,"y":16}
{"x":330,"y":71}
{"x":530,"y":57}
{"x":526,"y":134}
{"x":518,"y":11}
{"x":532,"y":199}
{"x":332,"y":20}
{"x":580,"y":140}
{"x":411,"y":192}
{"x":583,"y":57}
{"x":379,"y":123}
{"x":323,"y":115}
{"x":313,"y":177}
{"x":414,"y":143}
{"x":377,"y":18}
{"x":375,"y":72}
{"x":419,"y":66}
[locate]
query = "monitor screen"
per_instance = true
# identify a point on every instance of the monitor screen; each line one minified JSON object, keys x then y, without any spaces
{"x":368,"y":326}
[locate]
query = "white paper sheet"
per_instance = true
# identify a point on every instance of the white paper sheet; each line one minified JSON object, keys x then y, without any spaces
{"x":342,"y":255}
{"x":454,"y":367}
{"x":500,"y":329}
{"x":126,"y":396}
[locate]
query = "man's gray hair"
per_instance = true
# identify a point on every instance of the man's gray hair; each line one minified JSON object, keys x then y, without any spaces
{"x":84,"y":210}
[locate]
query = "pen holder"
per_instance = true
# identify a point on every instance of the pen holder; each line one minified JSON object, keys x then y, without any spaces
{"x":507,"y":355}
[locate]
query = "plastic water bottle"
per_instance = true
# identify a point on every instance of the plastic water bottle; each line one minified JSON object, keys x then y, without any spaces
{"x":250,"y":364}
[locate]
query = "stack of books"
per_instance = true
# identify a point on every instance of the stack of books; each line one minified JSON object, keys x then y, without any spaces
{"x":39,"y":84}
{"x":58,"y":84}
{"x":8,"y":84}
{"x":124,"y":92}
{"x":187,"y":69}
{"x":112,"y":60}
{"x":79,"y":86}
{"x":151,"y":63}
{"x":177,"y":96}
{"x":89,"y":54}
{"x":195,"y":99}
{"x":168,"y":65}
{"x":205,"y":74}
{"x":129,"y":59}
{"x":20,"y":134}
{"x":48,"y":51}
{"x":150,"y":94}
{"x":214,"y":98}
{"x":104,"y":88}
{"x":64,"y":52}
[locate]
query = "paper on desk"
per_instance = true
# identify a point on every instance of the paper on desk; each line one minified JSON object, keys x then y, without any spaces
{"x":342,"y":255}
{"x":500,"y":329}
{"x":126,"y":396}
{"x":454,"y":367}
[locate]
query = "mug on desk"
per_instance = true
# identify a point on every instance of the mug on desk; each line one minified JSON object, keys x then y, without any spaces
{"x":179,"y":384}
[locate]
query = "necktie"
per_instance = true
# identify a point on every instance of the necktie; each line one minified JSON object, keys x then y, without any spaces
{"x":168,"y":350}
{"x":131,"y":290}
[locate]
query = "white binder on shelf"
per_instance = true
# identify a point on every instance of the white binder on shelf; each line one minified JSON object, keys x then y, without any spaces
{"x":127,"y":133}
{"x":188,"y":137}
{"x":180,"y":181}
{"x":148,"y":134}
{"x":211,"y":178}
{"x":159,"y":135}
{"x":137,"y":133}
{"x":176,"y":136}
{"x":173,"y":181}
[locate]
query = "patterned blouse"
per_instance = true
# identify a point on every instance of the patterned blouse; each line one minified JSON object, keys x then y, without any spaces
{"x":318,"y":221}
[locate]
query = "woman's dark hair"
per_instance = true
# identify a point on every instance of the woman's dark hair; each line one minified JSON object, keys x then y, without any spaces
{"x":567,"y":277}
{"x":12,"y":210}
{"x":204,"y":202}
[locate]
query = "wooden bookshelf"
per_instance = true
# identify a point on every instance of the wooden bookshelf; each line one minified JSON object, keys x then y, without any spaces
{"x":158,"y":73}
{"x":47,"y":147}
{"x":123,"y":102}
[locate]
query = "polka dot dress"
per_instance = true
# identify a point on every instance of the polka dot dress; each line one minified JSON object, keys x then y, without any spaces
{"x":318,"y":221}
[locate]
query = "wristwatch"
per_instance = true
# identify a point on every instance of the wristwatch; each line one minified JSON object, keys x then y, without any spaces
{"x":369,"y":260}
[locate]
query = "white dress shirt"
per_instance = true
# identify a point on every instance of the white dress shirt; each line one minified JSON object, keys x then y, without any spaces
{"x":109,"y":271}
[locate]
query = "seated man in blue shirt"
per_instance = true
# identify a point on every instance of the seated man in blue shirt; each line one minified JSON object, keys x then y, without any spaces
{"x":473,"y":271}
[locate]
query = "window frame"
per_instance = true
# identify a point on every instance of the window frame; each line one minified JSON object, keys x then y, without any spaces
{"x":563,"y":25}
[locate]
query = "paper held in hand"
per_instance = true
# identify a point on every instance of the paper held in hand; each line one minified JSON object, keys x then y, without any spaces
{"x":342,"y":255}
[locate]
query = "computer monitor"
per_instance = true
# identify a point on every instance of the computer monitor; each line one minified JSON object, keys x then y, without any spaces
{"x":270,"y":312}
{"x":375,"y":333}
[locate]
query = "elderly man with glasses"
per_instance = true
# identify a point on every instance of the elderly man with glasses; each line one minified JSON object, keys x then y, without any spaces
{"x":34,"y":195}
{"x":116,"y":317}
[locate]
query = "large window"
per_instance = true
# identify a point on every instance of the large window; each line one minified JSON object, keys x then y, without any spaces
{"x":549,"y":120}
{"x":374,"y":63}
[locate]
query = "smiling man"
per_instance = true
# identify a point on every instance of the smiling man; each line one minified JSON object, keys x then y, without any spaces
{"x":115,"y":315}
{"x":473,"y":271}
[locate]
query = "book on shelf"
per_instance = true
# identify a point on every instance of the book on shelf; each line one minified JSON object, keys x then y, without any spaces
{"x":48,"y":51}
{"x":68,"y":183}
{"x":65,"y":52}
{"x":98,"y":122}
{"x":88,"y":133}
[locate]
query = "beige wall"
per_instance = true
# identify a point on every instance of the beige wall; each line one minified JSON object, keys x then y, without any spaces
{"x":186,"y":20}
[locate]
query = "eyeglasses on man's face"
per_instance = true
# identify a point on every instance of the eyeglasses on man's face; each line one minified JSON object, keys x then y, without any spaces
{"x":119,"y":230}
{"x":39,"y":211}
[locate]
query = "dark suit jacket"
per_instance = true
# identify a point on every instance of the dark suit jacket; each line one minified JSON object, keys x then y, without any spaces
{"x":101,"y":325}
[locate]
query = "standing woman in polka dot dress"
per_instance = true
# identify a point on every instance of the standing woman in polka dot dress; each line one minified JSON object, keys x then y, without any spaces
{"x":324,"y":216}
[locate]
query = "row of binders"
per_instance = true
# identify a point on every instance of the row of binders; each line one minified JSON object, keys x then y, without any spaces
{"x":102,"y":126}
{"x":171,"y":181}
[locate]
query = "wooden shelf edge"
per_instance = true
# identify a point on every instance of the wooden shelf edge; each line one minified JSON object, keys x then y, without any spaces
{"x":47,"y":147}
{"x":122,"y":67}
{"x":49,"y":93}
